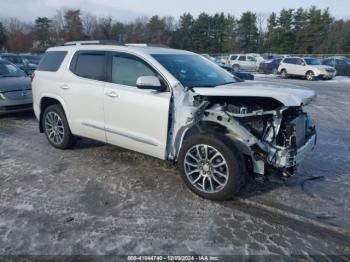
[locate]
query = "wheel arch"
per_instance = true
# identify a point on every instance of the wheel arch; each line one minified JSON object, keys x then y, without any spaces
{"x":48,"y":100}
{"x":212,"y":128}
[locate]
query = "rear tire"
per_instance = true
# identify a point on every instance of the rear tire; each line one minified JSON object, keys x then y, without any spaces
{"x":235,"y":68}
{"x":284,"y":73}
{"x":211,"y":167}
{"x":56,"y":127}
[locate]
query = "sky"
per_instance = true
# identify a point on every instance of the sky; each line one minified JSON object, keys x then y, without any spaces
{"x":127,"y":10}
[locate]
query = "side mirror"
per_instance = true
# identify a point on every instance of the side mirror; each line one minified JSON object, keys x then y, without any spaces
{"x":303,"y":64}
{"x":148,"y":82}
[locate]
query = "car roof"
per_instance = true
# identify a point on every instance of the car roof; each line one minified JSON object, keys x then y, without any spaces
{"x":137,"y":49}
{"x":9,"y":54}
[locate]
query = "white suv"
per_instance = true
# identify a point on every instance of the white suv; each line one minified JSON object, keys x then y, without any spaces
{"x":310,"y":68}
{"x":243,"y":62}
{"x":174,"y":105}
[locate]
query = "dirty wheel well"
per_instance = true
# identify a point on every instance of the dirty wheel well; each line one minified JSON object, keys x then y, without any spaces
{"x":45,"y":102}
{"x":204,"y":127}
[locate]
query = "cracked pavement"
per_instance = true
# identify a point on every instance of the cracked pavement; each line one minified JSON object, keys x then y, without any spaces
{"x":100,"y":199}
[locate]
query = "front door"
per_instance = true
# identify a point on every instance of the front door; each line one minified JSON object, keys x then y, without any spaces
{"x":135,"y":118}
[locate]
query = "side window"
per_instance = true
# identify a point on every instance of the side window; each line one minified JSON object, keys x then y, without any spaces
{"x":299,"y":61}
{"x":242,"y":58}
{"x":286,"y":61}
{"x":328,"y":62}
{"x":251,"y":59}
{"x":233,"y":57}
{"x":52,"y":61}
{"x":339,"y":63}
{"x":91,"y":65}
{"x":127,"y":68}
{"x":293,"y":61}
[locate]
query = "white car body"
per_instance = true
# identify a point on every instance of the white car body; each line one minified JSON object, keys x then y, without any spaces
{"x":297,"y":66}
{"x":258,"y":57}
{"x":243,"y":62}
{"x":157,"y":123}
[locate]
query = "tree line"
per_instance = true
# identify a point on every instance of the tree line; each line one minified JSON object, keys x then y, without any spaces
{"x":298,"y":31}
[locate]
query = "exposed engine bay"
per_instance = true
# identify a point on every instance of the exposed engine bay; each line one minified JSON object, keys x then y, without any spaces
{"x":268,"y":133}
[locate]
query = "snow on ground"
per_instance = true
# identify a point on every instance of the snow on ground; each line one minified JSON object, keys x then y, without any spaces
{"x":336,"y":79}
{"x":265,"y":75}
{"x":340,"y":79}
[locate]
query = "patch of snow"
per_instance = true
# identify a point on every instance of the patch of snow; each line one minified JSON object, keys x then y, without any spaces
{"x":26,"y":207}
{"x":265,"y":75}
{"x":340,"y":79}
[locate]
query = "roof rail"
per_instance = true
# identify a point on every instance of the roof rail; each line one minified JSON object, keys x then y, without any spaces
{"x":90,"y":42}
{"x":146,"y":45}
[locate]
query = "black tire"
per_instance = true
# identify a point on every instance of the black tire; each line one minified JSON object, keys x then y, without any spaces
{"x":68,"y":139}
{"x":310,"y":76}
{"x":284,"y":73}
{"x":234,"y":162}
{"x":236,"y":68}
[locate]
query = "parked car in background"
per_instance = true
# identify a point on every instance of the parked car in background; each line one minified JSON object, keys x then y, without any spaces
{"x":20,"y":62}
{"x":340,"y":64}
{"x":240,"y":74}
{"x":177,"y":106}
{"x":270,"y":67}
{"x":209,"y":57}
{"x":33,"y":59}
{"x":15,"y":89}
{"x":310,"y":68}
{"x":242,"y":62}
{"x":258,"y":57}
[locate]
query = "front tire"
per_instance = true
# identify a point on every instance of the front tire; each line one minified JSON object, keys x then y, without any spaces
{"x":56,"y":127}
{"x":211,"y":168}
{"x":310,"y":76}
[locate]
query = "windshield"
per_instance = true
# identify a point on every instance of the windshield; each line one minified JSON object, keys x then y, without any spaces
{"x":13,"y":59}
{"x":195,"y":70}
{"x":312,"y":61}
{"x":10,"y":70}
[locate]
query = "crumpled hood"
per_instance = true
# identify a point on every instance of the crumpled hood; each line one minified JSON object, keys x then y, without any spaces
{"x":14,"y":84}
{"x":287,"y":94}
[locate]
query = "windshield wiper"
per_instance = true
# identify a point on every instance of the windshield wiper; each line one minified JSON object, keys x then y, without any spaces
{"x":201,"y":86}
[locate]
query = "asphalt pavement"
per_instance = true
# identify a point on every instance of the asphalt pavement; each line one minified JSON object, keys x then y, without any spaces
{"x":100,"y":199}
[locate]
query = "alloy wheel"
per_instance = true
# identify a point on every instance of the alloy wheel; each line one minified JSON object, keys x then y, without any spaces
{"x":54,"y":128}
{"x":206,"y":168}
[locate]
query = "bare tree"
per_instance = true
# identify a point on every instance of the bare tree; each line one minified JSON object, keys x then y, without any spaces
{"x":261,"y":20}
{"x":89,"y":23}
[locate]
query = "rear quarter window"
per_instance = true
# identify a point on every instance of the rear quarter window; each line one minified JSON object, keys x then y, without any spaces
{"x":90,"y":65}
{"x":52,"y":61}
{"x":289,"y":60}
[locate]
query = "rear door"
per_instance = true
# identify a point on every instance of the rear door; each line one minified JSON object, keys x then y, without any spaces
{"x":252,"y":63}
{"x":82,"y":91}
{"x":299,"y":67}
{"x":242,"y":61}
{"x":290,"y":65}
{"x":135,"y":118}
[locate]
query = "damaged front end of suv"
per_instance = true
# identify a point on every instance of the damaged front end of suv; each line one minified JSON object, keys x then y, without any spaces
{"x":266,"y":125}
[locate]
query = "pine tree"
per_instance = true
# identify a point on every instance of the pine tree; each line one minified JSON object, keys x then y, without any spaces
{"x":3,"y":36}
{"x":42,"y":30}
{"x":248,"y":32}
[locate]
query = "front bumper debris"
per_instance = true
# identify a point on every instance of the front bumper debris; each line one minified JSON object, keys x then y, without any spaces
{"x":290,"y":157}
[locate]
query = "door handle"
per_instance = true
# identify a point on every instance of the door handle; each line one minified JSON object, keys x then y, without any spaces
{"x":112,"y":94}
{"x":64,"y":86}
